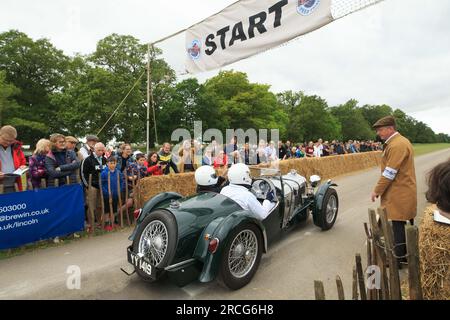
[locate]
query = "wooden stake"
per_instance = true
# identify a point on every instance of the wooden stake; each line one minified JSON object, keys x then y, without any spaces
{"x":126,"y":197}
{"x":340,"y":288}
{"x":111,"y":213}
{"x":120,"y":199}
{"x":102,"y":218}
{"x":91,"y":217}
{"x":319,"y":290}
{"x":394,"y":278}
{"x":380,"y":253}
{"x":355,"y":285}
{"x":359,"y":270}
{"x":415,"y":285}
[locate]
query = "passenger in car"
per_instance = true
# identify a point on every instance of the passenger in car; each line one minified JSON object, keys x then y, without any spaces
{"x":238,"y":190}
{"x":207,"y":180}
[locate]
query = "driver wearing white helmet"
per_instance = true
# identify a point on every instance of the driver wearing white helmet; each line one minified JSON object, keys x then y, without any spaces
{"x":238,"y":190}
{"x":207,"y":180}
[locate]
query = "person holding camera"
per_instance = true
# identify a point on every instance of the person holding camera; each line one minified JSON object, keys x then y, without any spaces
{"x":155,"y":167}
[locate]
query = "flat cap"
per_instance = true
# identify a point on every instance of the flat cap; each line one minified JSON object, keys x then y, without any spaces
{"x":388,"y":121}
{"x":92,"y":138}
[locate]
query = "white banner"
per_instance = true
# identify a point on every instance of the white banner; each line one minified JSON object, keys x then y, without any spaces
{"x":248,"y":27}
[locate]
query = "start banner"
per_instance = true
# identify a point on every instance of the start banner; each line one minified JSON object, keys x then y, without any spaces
{"x":248,"y":27}
{"x":31,"y":216}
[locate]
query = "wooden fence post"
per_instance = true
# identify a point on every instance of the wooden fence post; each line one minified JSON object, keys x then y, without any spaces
{"x":319,"y":290}
{"x":355,"y":285}
{"x":102,"y":218}
{"x":381,"y":254}
{"x":111,"y":213}
{"x":91,"y":217}
{"x":340,"y":288}
{"x":359,"y":270}
{"x":394,"y":278}
{"x":126,"y":197}
{"x":119,"y":210}
{"x":415,"y":286}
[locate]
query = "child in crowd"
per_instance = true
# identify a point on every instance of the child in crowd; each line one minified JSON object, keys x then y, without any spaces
{"x":136,"y":170}
{"x":111,"y":191}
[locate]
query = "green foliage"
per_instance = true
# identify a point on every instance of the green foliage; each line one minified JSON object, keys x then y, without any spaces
{"x":37,"y":70}
{"x":353,"y":123}
{"x":42,"y":91}
{"x":373,"y":113}
{"x":243,"y":105}
{"x":311,"y":120}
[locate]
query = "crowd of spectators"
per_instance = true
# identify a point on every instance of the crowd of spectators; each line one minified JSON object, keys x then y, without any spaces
{"x":60,"y":160}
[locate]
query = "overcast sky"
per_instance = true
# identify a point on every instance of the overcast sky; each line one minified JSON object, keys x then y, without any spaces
{"x":396,"y":52}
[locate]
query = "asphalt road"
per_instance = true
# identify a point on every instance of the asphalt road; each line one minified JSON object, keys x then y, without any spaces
{"x":287,"y":271}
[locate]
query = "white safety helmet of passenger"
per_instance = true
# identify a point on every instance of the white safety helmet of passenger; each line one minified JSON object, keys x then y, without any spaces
{"x":239,"y":173}
{"x":206,"y":176}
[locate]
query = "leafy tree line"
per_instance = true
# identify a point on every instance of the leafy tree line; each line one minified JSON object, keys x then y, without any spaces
{"x":43,"y":91}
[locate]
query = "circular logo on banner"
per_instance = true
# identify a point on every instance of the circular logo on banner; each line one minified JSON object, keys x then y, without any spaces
{"x":194,"y":49}
{"x":306,"y":7}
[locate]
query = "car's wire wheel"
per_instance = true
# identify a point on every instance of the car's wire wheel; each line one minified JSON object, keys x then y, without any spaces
{"x":243,"y":253}
{"x":332,"y":208}
{"x":153,"y":242}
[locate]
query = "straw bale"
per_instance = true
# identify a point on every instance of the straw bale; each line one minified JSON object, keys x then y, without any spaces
{"x":434,"y":250}
{"x":326,"y":167}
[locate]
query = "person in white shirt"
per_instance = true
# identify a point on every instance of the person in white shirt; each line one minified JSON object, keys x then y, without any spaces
{"x":272,"y":152}
{"x":238,"y":190}
{"x":88,"y":148}
{"x":317,"y":150}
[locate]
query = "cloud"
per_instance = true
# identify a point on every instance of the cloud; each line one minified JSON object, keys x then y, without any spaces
{"x":396,"y":52}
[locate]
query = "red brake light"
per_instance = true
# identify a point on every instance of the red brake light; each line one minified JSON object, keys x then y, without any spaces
{"x":137,"y":213}
{"x":213,"y":245}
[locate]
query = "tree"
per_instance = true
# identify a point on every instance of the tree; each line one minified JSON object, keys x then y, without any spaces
{"x":7,"y":104}
{"x":242,"y":104}
{"x":353,"y":123}
{"x":372,"y":113}
{"x":98,"y":83}
{"x":311,"y":121}
{"x":37,"y":69}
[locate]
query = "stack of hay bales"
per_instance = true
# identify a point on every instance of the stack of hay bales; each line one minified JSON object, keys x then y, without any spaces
{"x":327,"y":167}
{"x":434,"y":248}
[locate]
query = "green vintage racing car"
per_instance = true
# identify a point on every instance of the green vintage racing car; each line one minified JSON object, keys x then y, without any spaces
{"x":208,"y":235}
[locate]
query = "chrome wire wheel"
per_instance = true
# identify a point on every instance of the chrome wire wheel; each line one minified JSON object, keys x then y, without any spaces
{"x":331,"y":208}
{"x":243,"y":253}
{"x":154,"y":242}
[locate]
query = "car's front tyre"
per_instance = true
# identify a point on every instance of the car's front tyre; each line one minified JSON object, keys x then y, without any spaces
{"x":156,"y":240}
{"x":241,"y":256}
{"x":328,"y":213}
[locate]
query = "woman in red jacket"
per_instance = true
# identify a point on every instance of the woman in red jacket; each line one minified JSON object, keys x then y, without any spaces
{"x":155,"y":168}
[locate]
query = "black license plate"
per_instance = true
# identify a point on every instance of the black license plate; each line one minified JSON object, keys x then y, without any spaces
{"x":139,"y":262}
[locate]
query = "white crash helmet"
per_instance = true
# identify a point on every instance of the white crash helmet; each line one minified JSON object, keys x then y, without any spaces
{"x":239,"y":173}
{"x":206,"y":176}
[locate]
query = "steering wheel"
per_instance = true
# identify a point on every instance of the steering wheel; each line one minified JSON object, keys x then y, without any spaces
{"x":260,"y":188}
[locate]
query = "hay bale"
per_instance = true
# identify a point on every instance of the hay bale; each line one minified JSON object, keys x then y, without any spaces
{"x":326,"y":168}
{"x":434,"y":249}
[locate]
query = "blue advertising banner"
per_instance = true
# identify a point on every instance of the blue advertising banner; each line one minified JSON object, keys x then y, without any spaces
{"x":31,"y":216}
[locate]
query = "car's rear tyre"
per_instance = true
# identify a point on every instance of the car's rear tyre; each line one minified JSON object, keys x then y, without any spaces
{"x":156,"y":238}
{"x":241,"y":256}
{"x":328,"y":214}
